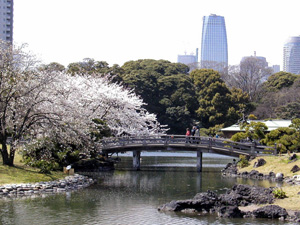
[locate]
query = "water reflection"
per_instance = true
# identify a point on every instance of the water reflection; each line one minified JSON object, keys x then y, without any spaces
{"x":131,"y":197}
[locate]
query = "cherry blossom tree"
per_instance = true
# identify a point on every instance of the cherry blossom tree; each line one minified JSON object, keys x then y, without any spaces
{"x":35,"y":103}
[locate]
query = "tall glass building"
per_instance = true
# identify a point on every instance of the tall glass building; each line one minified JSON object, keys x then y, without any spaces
{"x":214,"y":52}
{"x":6,"y":20}
{"x":291,"y":55}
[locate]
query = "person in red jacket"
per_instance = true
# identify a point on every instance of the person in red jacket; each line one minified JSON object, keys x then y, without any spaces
{"x":187,"y":134}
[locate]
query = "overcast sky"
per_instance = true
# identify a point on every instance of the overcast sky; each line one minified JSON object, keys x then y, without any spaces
{"x":117,"y":31}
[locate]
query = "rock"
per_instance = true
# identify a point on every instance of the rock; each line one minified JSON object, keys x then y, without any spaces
{"x":272,"y":175}
{"x":279,"y":176}
{"x":230,"y":212}
{"x":245,"y":174}
{"x":239,"y":195}
{"x":230,"y":168}
{"x":69,"y":183}
{"x":260,"y":162}
{"x":190,"y":211}
{"x":270,"y":211}
{"x":295,"y":169}
{"x":202,"y":201}
{"x":253,"y":173}
{"x":172,"y":206}
{"x":294,"y":156}
{"x":243,"y":195}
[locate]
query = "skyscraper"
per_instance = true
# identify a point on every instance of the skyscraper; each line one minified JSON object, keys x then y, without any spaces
{"x":291,"y":55}
{"x":214,"y":53}
{"x":6,"y":20}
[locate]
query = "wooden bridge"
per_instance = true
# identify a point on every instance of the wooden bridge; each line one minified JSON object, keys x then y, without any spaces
{"x":136,"y":144}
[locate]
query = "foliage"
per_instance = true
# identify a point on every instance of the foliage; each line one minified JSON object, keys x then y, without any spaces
{"x":280,"y":80}
{"x":252,"y":117}
{"x":243,"y":162}
{"x":296,"y":124}
{"x":88,"y":66}
{"x":287,"y":139}
{"x":217,"y":104}
{"x":237,"y":137}
{"x":253,"y":131}
{"x":166,"y":88}
{"x":280,"y":97}
{"x":52,"y":67}
{"x":48,"y":154}
{"x":213,"y":131}
{"x":102,"y":130}
{"x":289,"y":111}
{"x":279,"y":193}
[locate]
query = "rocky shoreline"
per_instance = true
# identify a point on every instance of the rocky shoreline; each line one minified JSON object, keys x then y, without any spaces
{"x":232,"y":171}
{"x":236,"y":202}
{"x":228,"y":205}
{"x":69,"y":183}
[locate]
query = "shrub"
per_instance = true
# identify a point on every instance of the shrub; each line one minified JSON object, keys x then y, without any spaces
{"x":279,"y":193}
{"x":243,"y":162}
{"x":47,"y":154}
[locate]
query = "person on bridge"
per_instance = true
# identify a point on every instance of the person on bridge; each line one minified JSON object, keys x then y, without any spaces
{"x":187,"y":134}
{"x":193,"y":131}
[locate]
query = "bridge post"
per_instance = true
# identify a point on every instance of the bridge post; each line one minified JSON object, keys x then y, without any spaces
{"x":253,"y":145}
{"x":199,"y":161}
{"x":136,"y":160}
{"x":275,"y":149}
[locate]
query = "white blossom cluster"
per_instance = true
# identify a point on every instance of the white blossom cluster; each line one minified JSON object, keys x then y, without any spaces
{"x":37,"y":103}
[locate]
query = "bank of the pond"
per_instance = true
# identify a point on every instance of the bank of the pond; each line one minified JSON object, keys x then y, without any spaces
{"x":228,"y":205}
{"x":24,"y":174}
{"x":251,"y":201}
{"x":278,"y":168}
{"x":69,"y":183}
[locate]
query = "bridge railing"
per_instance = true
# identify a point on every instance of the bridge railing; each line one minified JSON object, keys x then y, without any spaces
{"x":169,"y":140}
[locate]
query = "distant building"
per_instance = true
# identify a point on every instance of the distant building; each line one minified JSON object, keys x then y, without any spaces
{"x":260,"y":59}
{"x":271,"y":124}
{"x":6,"y":20}
{"x":188,"y":59}
{"x":291,"y":55}
{"x":214,"y":52}
{"x":259,"y":63}
{"x":276,"y":68}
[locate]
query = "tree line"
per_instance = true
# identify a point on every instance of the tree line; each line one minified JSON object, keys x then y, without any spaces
{"x":204,"y":96}
{"x":65,"y":111}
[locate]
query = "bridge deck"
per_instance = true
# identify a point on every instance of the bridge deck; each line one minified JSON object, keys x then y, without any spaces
{"x":181,"y":143}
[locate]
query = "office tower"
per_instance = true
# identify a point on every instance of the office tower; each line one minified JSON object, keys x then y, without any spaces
{"x":214,"y":53}
{"x":256,"y":68}
{"x":260,"y":60}
{"x":291,"y":55}
{"x":276,"y":68}
{"x":188,"y":59}
{"x":6,"y":20}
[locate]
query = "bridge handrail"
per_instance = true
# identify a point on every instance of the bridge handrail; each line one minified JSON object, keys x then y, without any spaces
{"x":190,"y":140}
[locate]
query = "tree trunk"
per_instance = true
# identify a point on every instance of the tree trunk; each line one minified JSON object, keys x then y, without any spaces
{"x":7,"y":160}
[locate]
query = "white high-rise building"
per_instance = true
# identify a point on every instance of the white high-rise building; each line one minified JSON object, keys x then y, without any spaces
{"x":6,"y":20}
{"x":214,"y":52}
{"x":291,"y":55}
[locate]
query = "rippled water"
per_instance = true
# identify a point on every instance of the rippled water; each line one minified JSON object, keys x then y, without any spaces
{"x":132,"y":197}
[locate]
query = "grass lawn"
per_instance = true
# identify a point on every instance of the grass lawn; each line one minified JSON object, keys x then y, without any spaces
{"x":277,"y":164}
{"x":24,"y":174}
{"x":280,"y":164}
